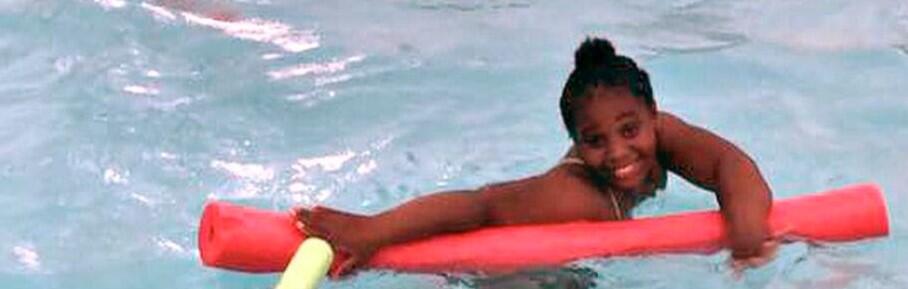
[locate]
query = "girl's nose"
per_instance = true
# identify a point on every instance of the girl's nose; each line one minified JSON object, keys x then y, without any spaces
{"x":618,"y":153}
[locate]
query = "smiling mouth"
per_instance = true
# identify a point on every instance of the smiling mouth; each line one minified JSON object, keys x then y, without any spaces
{"x":627,"y":171}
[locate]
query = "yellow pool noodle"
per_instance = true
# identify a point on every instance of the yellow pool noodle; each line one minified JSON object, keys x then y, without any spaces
{"x":308,"y":266}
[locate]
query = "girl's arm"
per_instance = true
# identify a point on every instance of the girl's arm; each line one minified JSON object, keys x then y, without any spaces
{"x":564,"y":193}
{"x":716,"y":164}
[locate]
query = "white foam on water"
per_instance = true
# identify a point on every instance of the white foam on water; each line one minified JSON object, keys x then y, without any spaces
{"x":159,"y":12}
{"x":170,"y":246}
{"x":326,"y":163}
{"x":315,"y":68}
{"x":113,"y":176}
{"x":141,"y":90}
{"x":27,"y":256}
{"x":252,"y":172}
{"x":111,"y":4}
{"x":260,"y":30}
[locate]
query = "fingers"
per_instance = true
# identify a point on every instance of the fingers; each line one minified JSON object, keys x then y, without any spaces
{"x":753,"y":262}
{"x":767,"y":253}
{"x":738,"y":266}
{"x":300,"y":213}
{"x":323,"y":222}
{"x":314,"y":222}
{"x":782,"y":234}
{"x":303,"y":228}
{"x":344,"y":268}
{"x":302,"y":220}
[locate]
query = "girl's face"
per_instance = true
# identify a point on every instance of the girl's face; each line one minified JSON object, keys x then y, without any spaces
{"x":616,"y":137}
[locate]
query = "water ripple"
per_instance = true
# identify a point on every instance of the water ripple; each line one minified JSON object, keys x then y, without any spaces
{"x":315,"y":68}
{"x":261,"y":30}
{"x":253,"y":172}
{"x":282,"y":35}
{"x":470,"y":6}
{"x":111,"y":4}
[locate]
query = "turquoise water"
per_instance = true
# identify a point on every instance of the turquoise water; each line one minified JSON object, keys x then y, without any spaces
{"x":119,"y":119}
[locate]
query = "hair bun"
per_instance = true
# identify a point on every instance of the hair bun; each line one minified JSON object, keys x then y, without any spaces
{"x":592,"y":53}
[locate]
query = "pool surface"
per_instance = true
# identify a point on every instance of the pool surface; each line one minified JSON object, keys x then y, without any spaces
{"x":120,"y":118}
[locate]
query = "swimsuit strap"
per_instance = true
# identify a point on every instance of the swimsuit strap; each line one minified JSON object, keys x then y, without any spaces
{"x":616,"y":206}
{"x":571,"y":160}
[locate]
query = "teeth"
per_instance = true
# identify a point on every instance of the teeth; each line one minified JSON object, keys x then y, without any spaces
{"x":625,"y":170}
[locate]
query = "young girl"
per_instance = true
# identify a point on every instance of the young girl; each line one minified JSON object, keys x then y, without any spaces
{"x":622,"y":147}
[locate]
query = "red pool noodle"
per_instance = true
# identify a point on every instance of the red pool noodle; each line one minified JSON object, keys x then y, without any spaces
{"x":253,"y":240}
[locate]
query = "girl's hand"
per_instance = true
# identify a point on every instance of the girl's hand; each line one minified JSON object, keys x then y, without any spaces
{"x":346,"y":232}
{"x":765,"y":254}
{"x":741,"y":261}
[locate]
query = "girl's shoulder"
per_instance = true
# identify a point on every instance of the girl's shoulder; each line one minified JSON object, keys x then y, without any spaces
{"x":667,"y":121}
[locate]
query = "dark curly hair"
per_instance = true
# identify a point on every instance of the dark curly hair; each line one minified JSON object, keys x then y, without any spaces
{"x":595,"y":64}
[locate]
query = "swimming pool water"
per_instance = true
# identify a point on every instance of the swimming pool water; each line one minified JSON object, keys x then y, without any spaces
{"x":120,"y":118}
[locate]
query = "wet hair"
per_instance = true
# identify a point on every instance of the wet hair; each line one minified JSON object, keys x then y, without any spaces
{"x":597,"y":64}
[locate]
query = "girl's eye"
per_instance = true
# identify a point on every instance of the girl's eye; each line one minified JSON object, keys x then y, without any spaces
{"x":630,"y":130}
{"x":592,"y":140}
